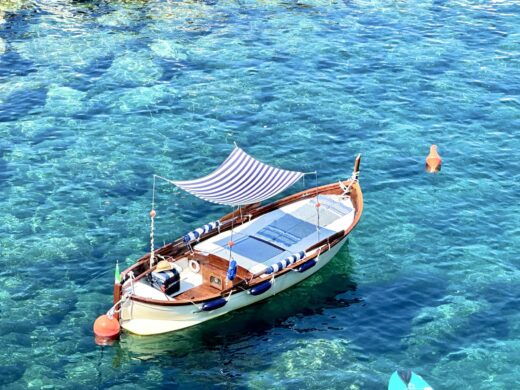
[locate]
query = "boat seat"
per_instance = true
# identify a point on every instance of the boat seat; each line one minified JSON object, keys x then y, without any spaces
{"x":286,"y":231}
{"x":281,"y":233}
{"x":252,"y":248}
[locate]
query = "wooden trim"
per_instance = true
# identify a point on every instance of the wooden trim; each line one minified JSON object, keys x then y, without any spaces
{"x":242,"y":211}
{"x":117,"y":297}
{"x":249,"y":280}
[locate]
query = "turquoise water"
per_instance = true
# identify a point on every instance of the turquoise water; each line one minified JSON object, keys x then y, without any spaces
{"x":97,"y":96}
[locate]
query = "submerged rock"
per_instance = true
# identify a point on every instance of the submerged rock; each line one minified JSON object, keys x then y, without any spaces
{"x":119,"y":18}
{"x":10,"y":373}
{"x":434,"y":323}
{"x":302,"y":357}
{"x":169,"y":49}
{"x":143,"y":98}
{"x":70,"y":50}
{"x":10,"y":6}
{"x":130,"y":70}
{"x":483,"y":365}
{"x":64,"y":101}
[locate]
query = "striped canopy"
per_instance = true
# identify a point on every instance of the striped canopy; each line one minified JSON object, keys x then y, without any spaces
{"x":240,"y":180}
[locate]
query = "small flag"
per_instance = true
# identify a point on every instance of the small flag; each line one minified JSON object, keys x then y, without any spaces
{"x":117,"y":277}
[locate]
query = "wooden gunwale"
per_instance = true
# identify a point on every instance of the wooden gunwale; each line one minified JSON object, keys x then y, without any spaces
{"x":324,"y":245}
{"x":178,"y":247}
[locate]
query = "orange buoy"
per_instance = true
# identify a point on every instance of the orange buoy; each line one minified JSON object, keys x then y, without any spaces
{"x":153,"y":214}
{"x":106,"y":329}
{"x":433,"y":161}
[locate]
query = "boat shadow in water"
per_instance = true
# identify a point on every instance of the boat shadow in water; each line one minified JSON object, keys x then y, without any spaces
{"x":309,"y":298}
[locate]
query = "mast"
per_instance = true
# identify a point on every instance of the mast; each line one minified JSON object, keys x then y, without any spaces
{"x":152,"y":219}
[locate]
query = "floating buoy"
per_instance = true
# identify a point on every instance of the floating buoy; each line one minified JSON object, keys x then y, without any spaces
{"x":433,"y":161}
{"x":153,"y":213}
{"x":106,"y":329}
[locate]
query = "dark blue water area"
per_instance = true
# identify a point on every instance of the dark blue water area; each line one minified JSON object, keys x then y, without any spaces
{"x":400,"y":302}
{"x":96,"y":97}
{"x":12,"y":64}
{"x":22,"y":103}
{"x":88,"y":75}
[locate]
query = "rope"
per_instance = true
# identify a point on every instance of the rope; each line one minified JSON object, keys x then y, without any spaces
{"x":163,"y":178}
{"x":353,"y":179}
{"x":112,"y":310}
{"x":229,"y":295}
{"x":346,"y":190}
{"x":132,"y":278}
{"x":153,"y":193}
{"x":199,"y":309}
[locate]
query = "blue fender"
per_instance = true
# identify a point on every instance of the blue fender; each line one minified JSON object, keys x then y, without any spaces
{"x":260,"y":288}
{"x":305,"y":266}
{"x":214,"y":304}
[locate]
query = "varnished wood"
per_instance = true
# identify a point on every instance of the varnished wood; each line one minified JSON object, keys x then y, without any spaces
{"x":242,"y":211}
{"x":178,"y":248}
{"x":245,"y":279}
{"x":117,"y":297}
{"x":198,"y":294}
{"x":357,"y":164}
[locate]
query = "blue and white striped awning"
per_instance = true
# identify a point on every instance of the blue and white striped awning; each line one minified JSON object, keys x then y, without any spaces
{"x":285,"y":263}
{"x":240,"y":180}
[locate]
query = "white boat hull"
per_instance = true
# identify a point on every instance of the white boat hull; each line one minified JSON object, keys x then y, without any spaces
{"x":148,"y":319}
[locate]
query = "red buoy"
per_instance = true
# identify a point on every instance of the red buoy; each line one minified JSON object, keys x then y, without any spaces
{"x":433,"y":161}
{"x":106,"y":329}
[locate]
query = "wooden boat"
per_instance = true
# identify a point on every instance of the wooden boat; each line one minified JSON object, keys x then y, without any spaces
{"x":247,"y":256}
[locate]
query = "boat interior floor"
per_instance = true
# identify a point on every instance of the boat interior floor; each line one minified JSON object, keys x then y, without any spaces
{"x":188,"y":281}
{"x":263,"y":241}
{"x":280,"y":233}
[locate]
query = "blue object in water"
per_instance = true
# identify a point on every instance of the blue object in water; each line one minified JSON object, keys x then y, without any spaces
{"x":305,"y":266}
{"x":260,"y":288}
{"x":407,"y":379}
{"x":214,"y":304}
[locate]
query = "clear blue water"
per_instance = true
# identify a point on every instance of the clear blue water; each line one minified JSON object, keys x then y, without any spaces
{"x":97,"y":96}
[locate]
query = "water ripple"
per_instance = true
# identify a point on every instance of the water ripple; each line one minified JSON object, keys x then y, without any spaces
{"x":95,"y":97}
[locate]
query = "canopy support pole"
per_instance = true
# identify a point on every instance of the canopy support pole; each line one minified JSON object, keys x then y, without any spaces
{"x":152,"y":218}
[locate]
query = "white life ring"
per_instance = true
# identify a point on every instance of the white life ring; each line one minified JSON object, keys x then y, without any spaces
{"x":194,"y":266}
